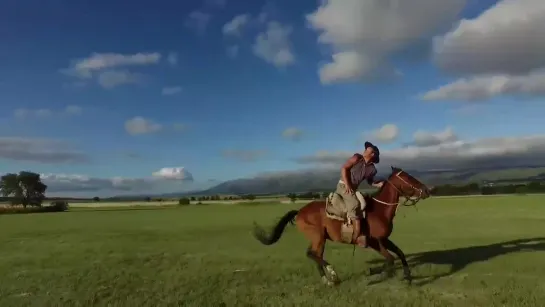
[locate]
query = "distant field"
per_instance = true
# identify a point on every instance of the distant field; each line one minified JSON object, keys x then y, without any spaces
{"x":461,"y":251}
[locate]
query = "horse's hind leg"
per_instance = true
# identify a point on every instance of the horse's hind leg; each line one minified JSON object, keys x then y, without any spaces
{"x":316,"y":252}
{"x":396,"y":250}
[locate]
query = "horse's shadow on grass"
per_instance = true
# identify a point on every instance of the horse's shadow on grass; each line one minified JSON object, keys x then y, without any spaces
{"x":459,"y":258}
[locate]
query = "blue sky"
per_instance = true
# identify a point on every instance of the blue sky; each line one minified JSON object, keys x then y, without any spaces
{"x":226,"y":113}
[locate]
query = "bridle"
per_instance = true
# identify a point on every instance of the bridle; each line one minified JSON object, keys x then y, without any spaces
{"x":411,"y":200}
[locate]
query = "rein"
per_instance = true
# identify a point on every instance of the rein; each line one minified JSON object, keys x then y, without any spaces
{"x":412,"y":200}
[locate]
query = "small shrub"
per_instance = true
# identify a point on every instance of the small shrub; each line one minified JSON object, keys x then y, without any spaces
{"x":58,"y":206}
{"x":184,"y":201}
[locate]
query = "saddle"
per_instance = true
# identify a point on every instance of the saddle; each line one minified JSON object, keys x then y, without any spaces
{"x":333,"y":212}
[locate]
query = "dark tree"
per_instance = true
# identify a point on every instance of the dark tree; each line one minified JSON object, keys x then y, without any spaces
{"x":184,"y":201}
{"x":25,"y":188}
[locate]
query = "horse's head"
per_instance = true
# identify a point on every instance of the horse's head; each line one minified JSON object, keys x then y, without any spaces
{"x":408,"y":186}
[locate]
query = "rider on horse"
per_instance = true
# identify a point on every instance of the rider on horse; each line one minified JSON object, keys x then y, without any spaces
{"x":355,"y":170}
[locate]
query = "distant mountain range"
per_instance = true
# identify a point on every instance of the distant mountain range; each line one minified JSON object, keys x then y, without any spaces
{"x":325,"y":180}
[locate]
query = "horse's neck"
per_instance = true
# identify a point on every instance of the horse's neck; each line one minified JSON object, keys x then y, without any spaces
{"x":388,"y":200}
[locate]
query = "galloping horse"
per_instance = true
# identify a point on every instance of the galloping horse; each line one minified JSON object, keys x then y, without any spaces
{"x":377,"y":226}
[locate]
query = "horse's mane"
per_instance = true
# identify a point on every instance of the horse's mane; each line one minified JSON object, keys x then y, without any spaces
{"x":377,"y":192}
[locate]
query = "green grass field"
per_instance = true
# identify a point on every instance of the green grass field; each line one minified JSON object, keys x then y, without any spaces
{"x":206,"y":256}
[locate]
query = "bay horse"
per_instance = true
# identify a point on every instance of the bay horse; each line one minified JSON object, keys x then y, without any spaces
{"x":377,"y":225}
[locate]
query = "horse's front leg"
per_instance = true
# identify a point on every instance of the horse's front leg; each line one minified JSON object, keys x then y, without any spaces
{"x":388,"y":266}
{"x":396,"y":250}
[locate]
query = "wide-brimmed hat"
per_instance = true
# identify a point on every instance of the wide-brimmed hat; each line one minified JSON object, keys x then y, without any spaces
{"x":376,"y":159}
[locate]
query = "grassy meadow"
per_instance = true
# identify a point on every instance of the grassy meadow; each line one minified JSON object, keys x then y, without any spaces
{"x":482,"y":251}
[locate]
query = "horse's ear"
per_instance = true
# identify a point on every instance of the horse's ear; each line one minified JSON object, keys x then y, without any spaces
{"x":393,"y":168}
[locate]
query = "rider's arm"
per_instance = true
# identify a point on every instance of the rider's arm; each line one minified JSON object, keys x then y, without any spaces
{"x":345,"y":170}
{"x":372,"y":180}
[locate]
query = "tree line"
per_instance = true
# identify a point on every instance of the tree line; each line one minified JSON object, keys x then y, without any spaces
{"x":489,"y":189}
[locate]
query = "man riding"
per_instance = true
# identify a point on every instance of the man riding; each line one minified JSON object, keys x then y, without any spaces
{"x":355,"y":170}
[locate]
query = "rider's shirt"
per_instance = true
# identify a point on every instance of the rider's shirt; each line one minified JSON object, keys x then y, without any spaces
{"x":362,"y":171}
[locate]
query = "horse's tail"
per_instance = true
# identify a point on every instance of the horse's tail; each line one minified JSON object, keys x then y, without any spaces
{"x":269,"y":239}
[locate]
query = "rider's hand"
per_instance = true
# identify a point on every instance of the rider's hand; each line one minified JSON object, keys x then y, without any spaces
{"x":349,"y":190}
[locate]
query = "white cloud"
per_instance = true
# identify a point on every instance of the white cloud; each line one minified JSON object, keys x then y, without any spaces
{"x":294,"y":134}
{"x":364,"y":34}
{"x":173,"y":173}
{"x":84,"y":68}
{"x":236,"y":25}
{"x":385,"y":134}
{"x":487,"y":87}
{"x":426,"y":138}
{"x":445,"y":151}
{"x":104,"y":68}
{"x":113,"y":78}
{"x":198,"y":21}
{"x":274,"y":46}
{"x":66,"y":183}
{"x":244,"y":155}
{"x":25,"y":113}
{"x":347,"y":66}
{"x":139,"y":125}
{"x":508,"y":38}
{"x":167,"y":91}
{"x":232,"y":51}
{"x":39,"y":150}
{"x":172,"y":58}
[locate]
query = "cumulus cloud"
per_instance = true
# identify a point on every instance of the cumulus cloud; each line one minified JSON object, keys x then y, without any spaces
{"x":172,"y":90}
{"x":274,"y":45}
{"x":346,"y":66}
{"x":198,"y":21}
{"x":84,"y":68}
{"x":104,"y":68}
{"x":66,"y":183}
{"x":481,"y":88}
{"x":39,"y":150}
{"x":365,"y":34}
{"x":385,"y":134}
{"x":236,"y":25}
{"x":139,"y":125}
{"x":244,"y":155}
{"x":445,"y":151}
{"x":508,"y":38}
{"x":426,"y":138}
{"x":114,"y":78}
{"x":294,"y":134}
{"x":173,"y":173}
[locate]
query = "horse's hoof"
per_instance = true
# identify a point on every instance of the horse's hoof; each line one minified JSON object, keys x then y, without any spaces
{"x":331,"y":275}
{"x":327,"y":282}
